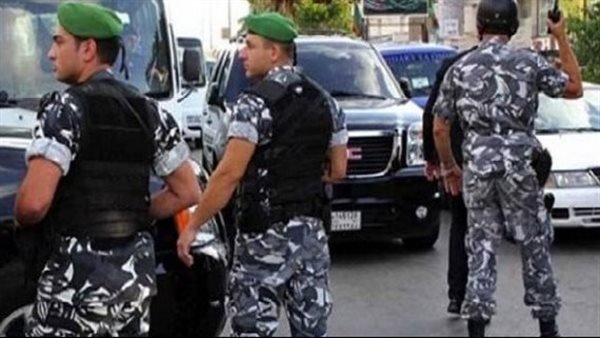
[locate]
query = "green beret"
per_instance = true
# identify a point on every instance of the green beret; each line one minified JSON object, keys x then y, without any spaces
{"x":89,"y":20}
{"x":271,"y":26}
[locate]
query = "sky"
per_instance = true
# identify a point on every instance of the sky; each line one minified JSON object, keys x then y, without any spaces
{"x":205,"y":19}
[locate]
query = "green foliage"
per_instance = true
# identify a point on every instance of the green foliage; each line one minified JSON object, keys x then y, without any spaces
{"x":312,"y":16}
{"x":586,"y":42}
{"x":572,"y":8}
{"x":258,"y":6}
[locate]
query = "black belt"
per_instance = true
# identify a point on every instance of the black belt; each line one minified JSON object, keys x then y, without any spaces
{"x":108,"y":225}
{"x":285,"y":212}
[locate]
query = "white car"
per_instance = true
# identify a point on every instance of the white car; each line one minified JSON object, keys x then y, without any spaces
{"x":570,"y":130}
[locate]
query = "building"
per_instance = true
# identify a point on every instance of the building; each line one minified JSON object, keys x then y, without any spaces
{"x":453,"y":22}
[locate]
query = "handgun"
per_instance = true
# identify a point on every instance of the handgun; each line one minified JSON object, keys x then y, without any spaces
{"x":554,"y":14}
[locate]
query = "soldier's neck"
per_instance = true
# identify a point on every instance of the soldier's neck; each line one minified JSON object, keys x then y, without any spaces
{"x":90,"y":71}
{"x":488,"y":37}
{"x":282,"y":62}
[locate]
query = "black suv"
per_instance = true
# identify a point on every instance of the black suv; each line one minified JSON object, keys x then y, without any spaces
{"x":386,"y":193}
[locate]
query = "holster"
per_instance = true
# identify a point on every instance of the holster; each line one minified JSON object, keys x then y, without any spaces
{"x":542,"y":164}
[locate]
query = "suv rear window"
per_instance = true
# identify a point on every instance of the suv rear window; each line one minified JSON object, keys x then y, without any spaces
{"x":419,"y":68}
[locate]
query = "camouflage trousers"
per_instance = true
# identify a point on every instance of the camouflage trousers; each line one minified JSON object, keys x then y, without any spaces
{"x":508,"y":205}
{"x":287,"y":265}
{"x":96,"y":288}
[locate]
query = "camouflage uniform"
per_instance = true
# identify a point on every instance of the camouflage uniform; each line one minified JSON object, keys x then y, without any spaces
{"x":494,"y":91}
{"x":92,"y":287}
{"x":289,"y":263}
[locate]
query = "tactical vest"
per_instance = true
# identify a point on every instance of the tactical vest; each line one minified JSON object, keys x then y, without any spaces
{"x":105,"y":194}
{"x":284,"y":176}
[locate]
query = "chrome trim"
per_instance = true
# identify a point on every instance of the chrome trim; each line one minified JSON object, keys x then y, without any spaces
{"x":369,"y":133}
{"x":395,"y":149}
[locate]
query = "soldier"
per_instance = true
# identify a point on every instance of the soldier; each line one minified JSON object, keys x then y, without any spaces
{"x":88,"y":178}
{"x":287,"y":137}
{"x":494,"y":91}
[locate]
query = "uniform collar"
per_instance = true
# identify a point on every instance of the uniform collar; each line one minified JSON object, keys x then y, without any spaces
{"x":105,"y":74}
{"x":284,"y":68}
{"x":496,"y":40}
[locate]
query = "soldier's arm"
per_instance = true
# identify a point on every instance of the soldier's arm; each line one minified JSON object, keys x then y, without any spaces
{"x":338,"y":163}
{"x":574,"y":86}
{"x":338,"y":149}
{"x":219,"y":190}
{"x":250,"y":125}
{"x":171,"y":163}
{"x":55,"y":144}
{"x":181,"y":191}
{"x":223,"y":181}
{"x":37,"y":191}
{"x":444,"y":112}
{"x":441,"y":132}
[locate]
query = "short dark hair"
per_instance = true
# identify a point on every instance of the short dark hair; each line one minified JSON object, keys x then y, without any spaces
{"x":286,"y":47}
{"x":108,"y":49}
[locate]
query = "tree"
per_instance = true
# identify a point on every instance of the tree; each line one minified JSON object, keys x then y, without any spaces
{"x":572,"y":8}
{"x":312,"y":15}
{"x":585,"y":33}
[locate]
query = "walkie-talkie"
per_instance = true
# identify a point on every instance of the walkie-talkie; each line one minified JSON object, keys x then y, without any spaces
{"x":554,"y":14}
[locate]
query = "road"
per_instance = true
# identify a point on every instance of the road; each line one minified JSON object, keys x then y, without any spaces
{"x":384,"y":289}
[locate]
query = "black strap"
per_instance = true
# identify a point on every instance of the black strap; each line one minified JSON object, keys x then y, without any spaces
{"x":271,"y":91}
{"x":124,"y":68}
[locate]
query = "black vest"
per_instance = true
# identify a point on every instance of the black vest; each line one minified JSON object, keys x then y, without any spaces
{"x":105,"y":194}
{"x":284,"y":177}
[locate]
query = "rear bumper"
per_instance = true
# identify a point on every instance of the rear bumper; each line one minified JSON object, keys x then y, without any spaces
{"x":403,"y":205}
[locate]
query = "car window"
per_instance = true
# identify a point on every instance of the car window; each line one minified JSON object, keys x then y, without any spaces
{"x":418,"y":68}
{"x":563,"y":114}
{"x":349,"y":68}
{"x":218,"y":67}
{"x":225,"y":73}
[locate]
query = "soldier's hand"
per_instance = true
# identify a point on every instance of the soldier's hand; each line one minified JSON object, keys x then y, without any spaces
{"x":557,"y":29}
{"x":452,"y":180}
{"x":184,"y":243}
{"x":432,"y":171}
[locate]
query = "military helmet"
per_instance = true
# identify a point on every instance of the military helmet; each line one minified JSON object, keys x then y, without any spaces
{"x":498,"y":17}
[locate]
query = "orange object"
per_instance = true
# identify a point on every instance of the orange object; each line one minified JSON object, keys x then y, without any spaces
{"x":182,"y":219}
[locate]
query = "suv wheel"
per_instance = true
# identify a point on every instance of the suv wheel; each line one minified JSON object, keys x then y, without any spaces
{"x":422,"y":243}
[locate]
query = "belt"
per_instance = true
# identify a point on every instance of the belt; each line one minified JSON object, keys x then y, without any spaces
{"x":109,"y":225}
{"x":285,"y":212}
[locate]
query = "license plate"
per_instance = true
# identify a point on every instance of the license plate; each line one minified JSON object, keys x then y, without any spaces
{"x":346,"y":220}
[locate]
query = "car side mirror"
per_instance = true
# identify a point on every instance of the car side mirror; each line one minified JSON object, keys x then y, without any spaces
{"x":405,"y":86}
{"x":192,"y":68}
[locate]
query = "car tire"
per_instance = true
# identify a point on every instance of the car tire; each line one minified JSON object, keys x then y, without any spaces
{"x":422,"y":243}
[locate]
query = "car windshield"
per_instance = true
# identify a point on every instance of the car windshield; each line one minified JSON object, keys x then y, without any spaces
{"x":555,"y":115}
{"x":418,"y":68}
{"x":27,"y":28}
{"x":346,"y":70}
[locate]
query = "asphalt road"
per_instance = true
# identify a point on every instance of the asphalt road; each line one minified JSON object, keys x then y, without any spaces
{"x":384,"y":289}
